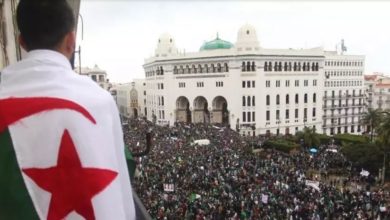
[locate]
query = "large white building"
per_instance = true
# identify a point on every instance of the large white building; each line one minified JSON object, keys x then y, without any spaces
{"x":249,"y":87}
{"x":344,"y":93}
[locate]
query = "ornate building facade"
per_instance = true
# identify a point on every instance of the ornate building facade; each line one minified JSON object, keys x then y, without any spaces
{"x":253,"y":89}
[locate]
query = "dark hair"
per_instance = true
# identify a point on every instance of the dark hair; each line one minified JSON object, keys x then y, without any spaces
{"x":44,"y":23}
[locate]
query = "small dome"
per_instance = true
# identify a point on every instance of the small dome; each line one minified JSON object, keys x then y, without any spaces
{"x":165,"y":38}
{"x":165,"y":45}
{"x":217,"y":43}
{"x":247,"y":38}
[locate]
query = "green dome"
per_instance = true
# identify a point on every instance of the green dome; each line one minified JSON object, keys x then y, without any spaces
{"x":216,"y":44}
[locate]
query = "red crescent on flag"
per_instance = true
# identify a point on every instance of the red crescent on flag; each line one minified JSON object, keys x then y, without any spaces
{"x":15,"y":109}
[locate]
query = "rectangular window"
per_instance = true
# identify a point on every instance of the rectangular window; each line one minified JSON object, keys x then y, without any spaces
{"x":248,"y":84}
{"x":287,"y":83}
{"x":249,"y":116}
{"x":304,"y":113}
{"x":277,"y":83}
{"x":296,"y":113}
{"x":314,"y":82}
{"x":253,"y":116}
{"x":305,"y":82}
{"x":267,"y":115}
{"x":253,"y":84}
{"x":287,"y":114}
{"x":243,"y":84}
{"x":314,"y":112}
{"x":296,"y":83}
{"x":277,"y":115}
{"x":267,"y":83}
{"x":162,"y":86}
{"x":244,"y":117}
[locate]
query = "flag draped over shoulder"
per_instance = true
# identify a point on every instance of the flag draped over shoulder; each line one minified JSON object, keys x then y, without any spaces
{"x":61,"y":152}
{"x":67,"y":180}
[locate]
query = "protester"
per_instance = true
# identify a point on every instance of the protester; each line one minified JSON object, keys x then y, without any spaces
{"x":61,"y":147}
{"x":225,"y":180}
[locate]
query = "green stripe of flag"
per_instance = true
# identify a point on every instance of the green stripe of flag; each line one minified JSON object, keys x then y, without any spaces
{"x":15,"y":201}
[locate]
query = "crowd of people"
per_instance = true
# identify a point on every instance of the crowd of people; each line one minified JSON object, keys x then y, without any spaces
{"x":226,"y":180}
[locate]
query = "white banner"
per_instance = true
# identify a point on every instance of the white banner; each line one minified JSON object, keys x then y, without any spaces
{"x":264,"y":198}
{"x":169,"y":187}
{"x":314,"y":184}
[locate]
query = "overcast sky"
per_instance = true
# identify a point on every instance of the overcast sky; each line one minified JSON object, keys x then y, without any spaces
{"x":119,"y":34}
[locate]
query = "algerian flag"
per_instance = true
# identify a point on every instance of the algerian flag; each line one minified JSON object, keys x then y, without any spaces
{"x":61,"y":160}
{"x":194,"y":196}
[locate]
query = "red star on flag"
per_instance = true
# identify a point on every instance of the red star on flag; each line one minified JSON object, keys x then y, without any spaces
{"x":72,"y":186}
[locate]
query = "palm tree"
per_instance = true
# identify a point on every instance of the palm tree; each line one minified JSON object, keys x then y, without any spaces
{"x":309,"y":137}
{"x":384,"y":139}
{"x":372,"y":118}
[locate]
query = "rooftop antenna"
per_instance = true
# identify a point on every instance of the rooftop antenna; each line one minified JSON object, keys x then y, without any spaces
{"x":343,"y":47}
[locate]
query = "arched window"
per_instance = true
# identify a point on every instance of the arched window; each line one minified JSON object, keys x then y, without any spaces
{"x":280,"y":66}
{"x":269,"y":66}
{"x":313,"y":67}
{"x":243,"y":101}
{"x":305,"y":98}
{"x":226,"y":67}
{"x":296,"y":99}
{"x":249,"y":101}
{"x":158,"y":71}
{"x":243,"y":67}
{"x":253,"y":100}
{"x":162,"y":100}
{"x":194,"y":69}
{"x":187,"y":70}
{"x":181,"y":70}
{"x":307,"y":66}
{"x":276,"y":66}
{"x":289,"y":66}
{"x":219,"y":68}
{"x":287,"y":99}
{"x":285,"y":66}
{"x":295,"y":66}
{"x":162,"y":71}
{"x":299,"y":66}
{"x":304,"y":66}
{"x":175,"y":70}
{"x":277,"y":99}
{"x":200,"y":68}
{"x":253,"y":66}
{"x":314,"y":98}
{"x":267,"y":100}
{"x":206,"y":68}
{"x":212,"y":68}
{"x":265,"y":66}
{"x":248,"y":66}
{"x":317,"y":66}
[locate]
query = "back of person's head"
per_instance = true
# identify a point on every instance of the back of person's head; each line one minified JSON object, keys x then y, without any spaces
{"x":44,"y":23}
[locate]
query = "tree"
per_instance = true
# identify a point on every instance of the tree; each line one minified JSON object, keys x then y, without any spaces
{"x":384,"y":139}
{"x":372,"y":118}
{"x":309,"y":137}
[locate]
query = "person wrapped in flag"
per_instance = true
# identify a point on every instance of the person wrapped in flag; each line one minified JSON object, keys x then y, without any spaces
{"x":61,"y":144}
